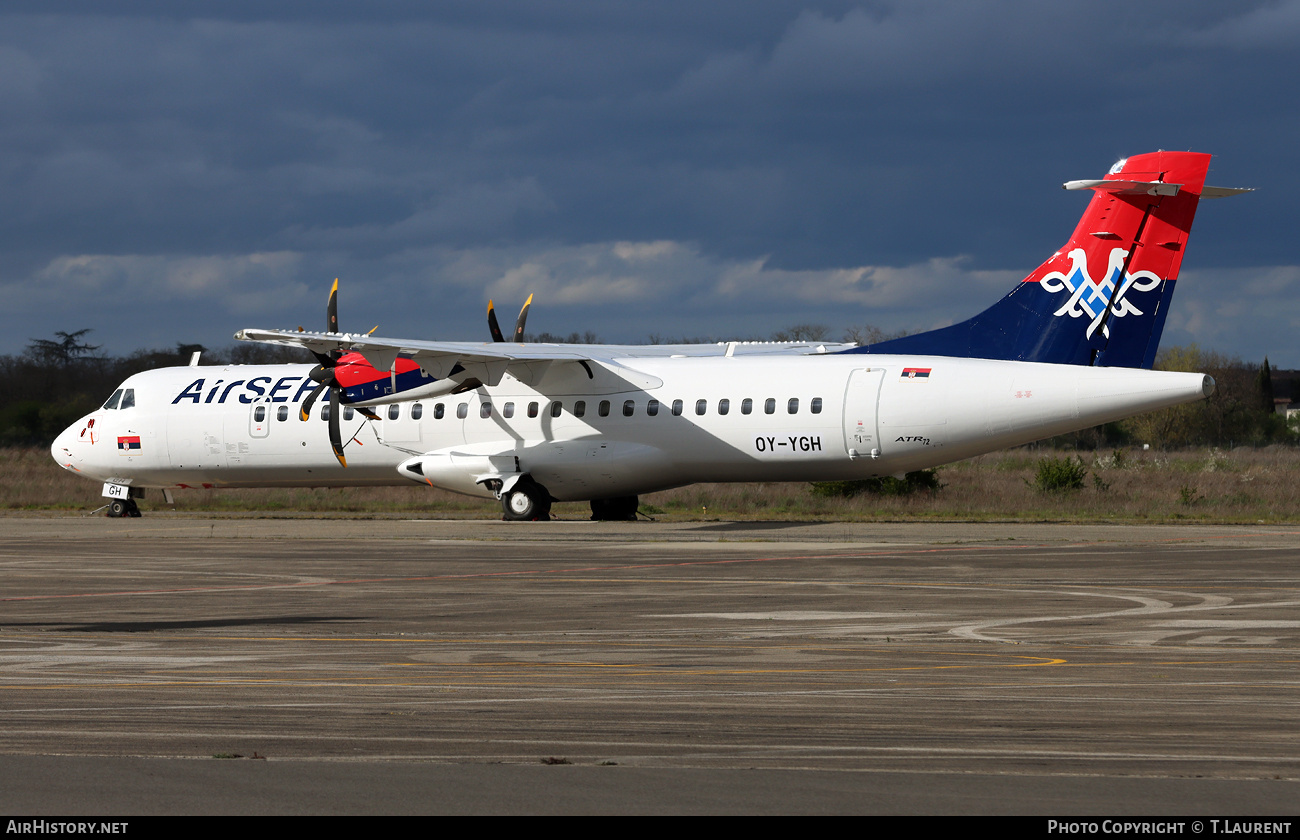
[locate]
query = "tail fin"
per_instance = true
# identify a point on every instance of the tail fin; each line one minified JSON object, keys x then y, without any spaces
{"x":1104,"y":297}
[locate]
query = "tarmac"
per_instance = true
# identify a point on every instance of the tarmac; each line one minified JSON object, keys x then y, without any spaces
{"x":242,"y":665}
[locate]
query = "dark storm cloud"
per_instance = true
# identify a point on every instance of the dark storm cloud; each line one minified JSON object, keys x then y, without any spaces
{"x":174,"y":175}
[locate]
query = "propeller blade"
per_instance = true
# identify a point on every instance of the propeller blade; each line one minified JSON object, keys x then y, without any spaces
{"x":493,"y":326}
{"x":305,"y":411}
{"x":523,"y":318}
{"x":336,"y":438}
{"x":332,"y":309}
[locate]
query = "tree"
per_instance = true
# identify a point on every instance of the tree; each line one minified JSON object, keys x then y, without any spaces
{"x":1265,"y":383}
{"x":868,"y":334}
{"x":1232,"y":414}
{"x":803,"y":332}
{"x":68,"y":350}
{"x":587,"y":337}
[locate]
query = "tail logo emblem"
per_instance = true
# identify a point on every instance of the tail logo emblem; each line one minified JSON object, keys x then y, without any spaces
{"x":1090,"y":298}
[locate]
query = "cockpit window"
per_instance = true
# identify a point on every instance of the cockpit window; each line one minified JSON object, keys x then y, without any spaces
{"x":128,"y":398}
{"x":112,"y":401}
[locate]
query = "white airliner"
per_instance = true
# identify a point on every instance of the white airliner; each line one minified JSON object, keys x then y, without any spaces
{"x":530,"y":424}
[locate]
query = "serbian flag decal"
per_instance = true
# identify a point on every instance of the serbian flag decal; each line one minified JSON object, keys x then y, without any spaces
{"x":916,"y":373}
{"x":128,"y":444}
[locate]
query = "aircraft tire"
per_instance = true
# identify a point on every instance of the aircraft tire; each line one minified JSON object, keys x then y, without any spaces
{"x":117,"y":508}
{"x":527,"y":502}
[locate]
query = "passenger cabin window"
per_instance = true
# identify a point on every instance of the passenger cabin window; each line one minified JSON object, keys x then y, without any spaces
{"x":259,"y":413}
{"x":462,"y":411}
{"x":724,"y":406}
{"x":348,"y":412}
{"x":417,"y":411}
{"x":652,"y":408}
{"x":556,"y":408}
{"x":439,"y":411}
{"x":769,"y":406}
{"x":508,"y":410}
{"x":325,"y":411}
{"x":282,"y":413}
{"x":603,"y":408}
{"x":701,"y":406}
{"x":579,"y":408}
{"x":677,"y":408}
{"x":485,"y":410}
{"x":532,"y":409}
{"x":394,"y":411}
{"x":746,"y":405}
{"x":817,"y":405}
{"x":792,"y":407}
{"x":629,"y":408}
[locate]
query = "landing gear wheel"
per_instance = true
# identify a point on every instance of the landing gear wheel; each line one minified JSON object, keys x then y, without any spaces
{"x":619,"y":509}
{"x":526,"y":502}
{"x":123,"y":507}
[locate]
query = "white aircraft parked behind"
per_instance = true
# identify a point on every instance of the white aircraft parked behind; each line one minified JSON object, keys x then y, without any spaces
{"x":530,"y":424}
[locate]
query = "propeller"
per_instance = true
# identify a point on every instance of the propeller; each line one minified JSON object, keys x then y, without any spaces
{"x":495,"y":328}
{"x":325,"y":374}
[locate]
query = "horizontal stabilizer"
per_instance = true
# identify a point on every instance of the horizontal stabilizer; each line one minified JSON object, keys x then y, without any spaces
{"x":1224,"y":192}
{"x":1149,"y":188}
{"x":1124,"y":187}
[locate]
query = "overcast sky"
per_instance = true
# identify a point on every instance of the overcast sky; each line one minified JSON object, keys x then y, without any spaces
{"x":173,"y":172}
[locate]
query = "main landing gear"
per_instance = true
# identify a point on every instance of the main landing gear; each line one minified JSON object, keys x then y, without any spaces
{"x":527,"y":501}
{"x":619,"y":509}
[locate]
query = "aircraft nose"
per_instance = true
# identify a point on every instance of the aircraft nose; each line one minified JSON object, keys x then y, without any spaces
{"x":61,"y":449}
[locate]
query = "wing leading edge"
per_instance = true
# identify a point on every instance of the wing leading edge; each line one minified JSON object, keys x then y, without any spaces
{"x":489,"y":361}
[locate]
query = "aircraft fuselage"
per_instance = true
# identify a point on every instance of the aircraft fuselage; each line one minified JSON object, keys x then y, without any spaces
{"x":608,"y":428}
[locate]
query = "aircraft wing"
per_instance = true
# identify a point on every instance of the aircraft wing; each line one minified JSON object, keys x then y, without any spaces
{"x":489,"y":360}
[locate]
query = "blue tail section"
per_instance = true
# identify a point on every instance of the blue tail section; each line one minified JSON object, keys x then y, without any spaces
{"x":1103,"y":298}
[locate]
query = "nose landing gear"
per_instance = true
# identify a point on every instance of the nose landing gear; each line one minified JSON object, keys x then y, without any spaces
{"x":123,"y":508}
